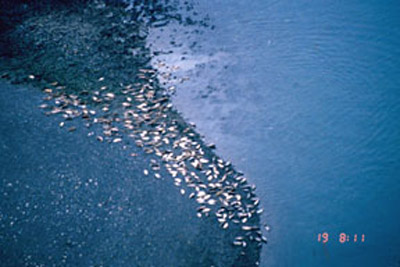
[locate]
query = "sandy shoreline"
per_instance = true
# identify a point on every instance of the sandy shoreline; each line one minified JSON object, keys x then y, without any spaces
{"x":98,"y":59}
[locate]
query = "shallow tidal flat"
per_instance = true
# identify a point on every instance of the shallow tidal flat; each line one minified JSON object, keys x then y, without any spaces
{"x":98,"y":168}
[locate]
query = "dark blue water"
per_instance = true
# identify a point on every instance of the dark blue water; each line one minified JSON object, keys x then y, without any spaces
{"x":303,"y":96}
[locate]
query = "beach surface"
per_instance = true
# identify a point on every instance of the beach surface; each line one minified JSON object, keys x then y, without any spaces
{"x":79,"y":190}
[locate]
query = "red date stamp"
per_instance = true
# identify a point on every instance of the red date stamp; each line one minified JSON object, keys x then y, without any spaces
{"x":342,"y":238}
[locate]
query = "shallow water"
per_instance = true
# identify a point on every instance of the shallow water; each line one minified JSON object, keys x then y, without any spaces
{"x":303,"y":97}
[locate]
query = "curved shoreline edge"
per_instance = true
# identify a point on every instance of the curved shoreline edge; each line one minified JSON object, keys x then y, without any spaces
{"x":88,"y":61}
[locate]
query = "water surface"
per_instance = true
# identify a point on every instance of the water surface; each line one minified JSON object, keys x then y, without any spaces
{"x":304,"y":98}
